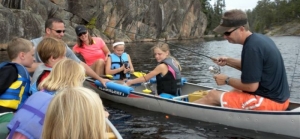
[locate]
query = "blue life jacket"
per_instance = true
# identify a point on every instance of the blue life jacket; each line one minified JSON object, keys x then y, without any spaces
{"x":18,"y":92}
{"x":117,"y":62}
{"x":29,"y":119}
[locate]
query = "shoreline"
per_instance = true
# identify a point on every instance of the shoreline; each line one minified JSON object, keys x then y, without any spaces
{"x":3,"y":46}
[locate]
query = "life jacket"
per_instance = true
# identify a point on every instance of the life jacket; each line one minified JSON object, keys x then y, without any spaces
{"x":171,"y":82}
{"x":29,"y":119}
{"x":117,"y":62}
{"x":18,"y":92}
{"x":37,"y":75}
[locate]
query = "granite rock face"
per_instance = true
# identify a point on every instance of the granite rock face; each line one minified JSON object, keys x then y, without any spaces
{"x":127,"y":20}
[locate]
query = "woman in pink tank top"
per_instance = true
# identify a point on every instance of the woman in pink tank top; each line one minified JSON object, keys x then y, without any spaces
{"x":93,"y":49}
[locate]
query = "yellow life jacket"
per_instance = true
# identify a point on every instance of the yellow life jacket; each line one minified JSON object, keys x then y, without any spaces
{"x":18,"y":92}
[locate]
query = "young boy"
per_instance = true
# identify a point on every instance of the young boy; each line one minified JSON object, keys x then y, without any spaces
{"x":14,"y":79}
{"x":50,"y":51}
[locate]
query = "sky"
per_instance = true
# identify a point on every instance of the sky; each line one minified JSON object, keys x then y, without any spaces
{"x":238,"y":4}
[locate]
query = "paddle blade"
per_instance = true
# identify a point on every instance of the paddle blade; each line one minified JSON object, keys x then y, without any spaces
{"x":107,"y":76}
{"x":139,"y":74}
{"x":147,"y":91}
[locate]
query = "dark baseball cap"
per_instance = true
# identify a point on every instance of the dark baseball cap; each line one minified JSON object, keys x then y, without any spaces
{"x":80,"y":29}
{"x":227,"y":24}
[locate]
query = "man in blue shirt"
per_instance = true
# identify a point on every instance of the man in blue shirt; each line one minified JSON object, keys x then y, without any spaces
{"x":263,"y":84}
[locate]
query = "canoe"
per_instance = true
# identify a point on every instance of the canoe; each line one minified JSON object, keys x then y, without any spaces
{"x":278,"y":122}
{"x":112,"y":132}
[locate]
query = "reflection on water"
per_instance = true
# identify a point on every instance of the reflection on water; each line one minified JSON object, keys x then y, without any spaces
{"x":135,"y":123}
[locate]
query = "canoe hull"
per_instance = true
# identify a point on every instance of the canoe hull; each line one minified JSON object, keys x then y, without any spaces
{"x":283,"y":122}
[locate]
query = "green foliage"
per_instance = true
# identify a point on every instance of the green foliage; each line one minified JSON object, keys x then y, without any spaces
{"x":213,"y":13}
{"x":266,"y":14}
{"x":270,"y":13}
{"x":92,"y":24}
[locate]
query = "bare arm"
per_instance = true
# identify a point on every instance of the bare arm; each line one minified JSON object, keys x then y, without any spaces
{"x":130,"y":63}
{"x":232,"y":62}
{"x":92,"y":74}
{"x":235,"y":63}
{"x":236,"y":83}
{"x":161,"y":68}
{"x":106,"y":51}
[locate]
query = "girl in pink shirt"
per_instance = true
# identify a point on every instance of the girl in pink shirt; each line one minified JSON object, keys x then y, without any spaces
{"x":93,"y":49}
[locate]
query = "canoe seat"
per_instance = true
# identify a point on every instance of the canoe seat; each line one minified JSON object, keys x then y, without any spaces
{"x":296,"y":109}
{"x":197,"y":95}
{"x":164,"y":95}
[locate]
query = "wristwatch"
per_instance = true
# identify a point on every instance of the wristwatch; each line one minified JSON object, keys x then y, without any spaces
{"x":227,"y":80}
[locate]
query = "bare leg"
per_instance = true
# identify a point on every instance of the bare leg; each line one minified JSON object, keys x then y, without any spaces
{"x":98,"y":66}
{"x":212,"y":98}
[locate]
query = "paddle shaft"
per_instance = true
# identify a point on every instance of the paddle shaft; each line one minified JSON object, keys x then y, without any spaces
{"x":214,"y":59}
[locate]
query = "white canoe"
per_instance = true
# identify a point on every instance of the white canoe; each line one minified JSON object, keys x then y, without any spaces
{"x":277,"y":122}
{"x":112,"y":132}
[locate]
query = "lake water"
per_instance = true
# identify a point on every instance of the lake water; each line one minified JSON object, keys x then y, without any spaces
{"x":134,"y":123}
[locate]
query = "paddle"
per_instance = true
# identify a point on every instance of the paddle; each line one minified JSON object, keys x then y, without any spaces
{"x":107,"y":76}
{"x":136,"y":74}
{"x":141,"y":74}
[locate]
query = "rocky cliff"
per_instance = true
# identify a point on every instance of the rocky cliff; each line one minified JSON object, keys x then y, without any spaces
{"x":130,"y":20}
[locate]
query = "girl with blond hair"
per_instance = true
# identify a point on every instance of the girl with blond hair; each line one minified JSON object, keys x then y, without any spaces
{"x":75,"y":104}
{"x":66,"y":73}
{"x":167,"y":72}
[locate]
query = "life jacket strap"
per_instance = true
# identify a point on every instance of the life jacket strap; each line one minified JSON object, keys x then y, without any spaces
{"x":36,"y":112}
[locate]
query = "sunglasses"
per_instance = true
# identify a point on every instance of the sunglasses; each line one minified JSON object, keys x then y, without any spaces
{"x":59,"y":31}
{"x":229,"y":32}
{"x":83,"y":33}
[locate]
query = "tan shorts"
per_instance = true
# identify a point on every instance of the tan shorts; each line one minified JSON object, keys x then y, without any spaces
{"x":248,"y":101}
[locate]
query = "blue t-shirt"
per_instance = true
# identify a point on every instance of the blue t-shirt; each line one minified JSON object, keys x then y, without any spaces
{"x":262,"y":62}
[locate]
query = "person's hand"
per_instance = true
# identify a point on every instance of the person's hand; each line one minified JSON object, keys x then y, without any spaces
{"x":106,"y":114}
{"x":122,"y":68}
{"x":220,"y":79}
{"x":127,"y":82}
{"x":104,"y":81}
{"x":126,"y":70}
{"x":221,"y":61}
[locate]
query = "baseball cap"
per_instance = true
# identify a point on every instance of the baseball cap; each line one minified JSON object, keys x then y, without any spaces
{"x":80,"y":29}
{"x":227,"y":24}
